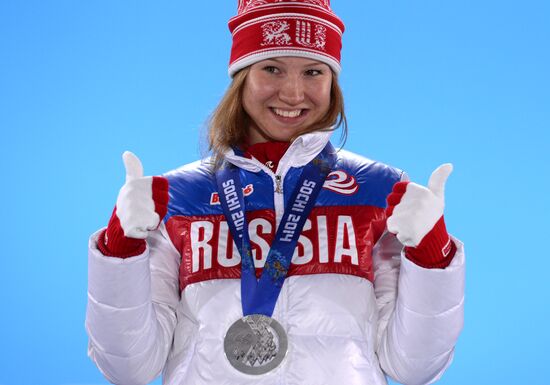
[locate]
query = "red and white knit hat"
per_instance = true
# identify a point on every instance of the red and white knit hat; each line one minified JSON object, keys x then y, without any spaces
{"x":264,"y":29}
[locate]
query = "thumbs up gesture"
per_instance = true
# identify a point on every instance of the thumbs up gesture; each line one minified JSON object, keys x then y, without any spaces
{"x":415,"y":215}
{"x":141,"y":205}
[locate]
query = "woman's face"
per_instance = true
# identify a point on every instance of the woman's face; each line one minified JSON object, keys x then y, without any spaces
{"x":284,"y":96}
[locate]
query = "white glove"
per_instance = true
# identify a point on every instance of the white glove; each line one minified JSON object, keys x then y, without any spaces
{"x":142,"y":201}
{"x":413,"y":210}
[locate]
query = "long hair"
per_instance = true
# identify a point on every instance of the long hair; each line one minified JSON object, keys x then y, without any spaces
{"x":228,"y":124}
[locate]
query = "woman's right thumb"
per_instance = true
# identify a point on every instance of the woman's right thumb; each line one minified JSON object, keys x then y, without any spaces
{"x":133,"y":166}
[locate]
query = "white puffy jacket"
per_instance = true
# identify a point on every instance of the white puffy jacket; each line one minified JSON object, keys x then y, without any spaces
{"x":354,"y":308}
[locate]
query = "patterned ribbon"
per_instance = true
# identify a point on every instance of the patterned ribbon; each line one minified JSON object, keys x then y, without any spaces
{"x":259,"y":297}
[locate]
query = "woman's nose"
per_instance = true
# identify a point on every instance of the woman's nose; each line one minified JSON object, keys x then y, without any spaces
{"x":292,"y":91}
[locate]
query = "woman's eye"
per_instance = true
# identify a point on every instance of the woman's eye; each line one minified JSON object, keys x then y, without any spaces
{"x":313,"y":72}
{"x":271,"y":69}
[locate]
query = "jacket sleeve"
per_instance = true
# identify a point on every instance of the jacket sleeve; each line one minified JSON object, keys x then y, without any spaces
{"x":421,"y":313}
{"x":131,"y":312}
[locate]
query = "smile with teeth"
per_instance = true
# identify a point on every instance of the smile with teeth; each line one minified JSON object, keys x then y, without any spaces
{"x":287,"y":114}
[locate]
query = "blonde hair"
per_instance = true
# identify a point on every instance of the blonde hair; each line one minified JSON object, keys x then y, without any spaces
{"x":228,"y":124}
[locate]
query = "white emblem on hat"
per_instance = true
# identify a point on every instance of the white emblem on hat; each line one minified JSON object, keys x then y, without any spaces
{"x":303,"y":35}
{"x":274,"y":33}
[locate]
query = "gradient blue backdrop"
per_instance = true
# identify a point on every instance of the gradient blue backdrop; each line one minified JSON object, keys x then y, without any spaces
{"x":426,"y":82}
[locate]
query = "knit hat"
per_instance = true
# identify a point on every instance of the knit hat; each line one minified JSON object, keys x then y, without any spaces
{"x":265,"y":29}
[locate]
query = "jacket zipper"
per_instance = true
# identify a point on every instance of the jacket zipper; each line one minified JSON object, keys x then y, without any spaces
{"x":278,"y":196}
{"x":278,"y":187}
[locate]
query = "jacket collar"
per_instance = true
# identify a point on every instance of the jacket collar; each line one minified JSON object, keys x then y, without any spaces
{"x":302,"y":150}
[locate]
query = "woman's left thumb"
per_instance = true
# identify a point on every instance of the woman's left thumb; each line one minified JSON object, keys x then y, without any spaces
{"x":439,"y":178}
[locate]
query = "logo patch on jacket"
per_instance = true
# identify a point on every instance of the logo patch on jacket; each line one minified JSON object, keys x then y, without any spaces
{"x":341,"y":182}
{"x":215,"y":198}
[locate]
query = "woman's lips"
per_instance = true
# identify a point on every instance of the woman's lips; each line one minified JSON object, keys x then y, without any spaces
{"x":289,"y":116}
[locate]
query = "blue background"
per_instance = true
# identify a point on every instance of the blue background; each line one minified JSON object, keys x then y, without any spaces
{"x":426,"y":82}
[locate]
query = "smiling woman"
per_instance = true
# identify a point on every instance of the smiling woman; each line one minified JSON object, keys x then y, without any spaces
{"x":279,"y":260}
{"x":284,"y":96}
{"x":277,"y":100}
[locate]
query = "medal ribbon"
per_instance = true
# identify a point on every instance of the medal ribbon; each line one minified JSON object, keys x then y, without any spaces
{"x":259,"y":297}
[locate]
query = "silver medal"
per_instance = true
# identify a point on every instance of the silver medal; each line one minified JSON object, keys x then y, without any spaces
{"x":255,"y":344}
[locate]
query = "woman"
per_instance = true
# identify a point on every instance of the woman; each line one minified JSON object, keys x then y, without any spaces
{"x":279,"y":260}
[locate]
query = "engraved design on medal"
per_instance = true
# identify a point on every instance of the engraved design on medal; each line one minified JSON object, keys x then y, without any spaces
{"x":255,"y":344}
